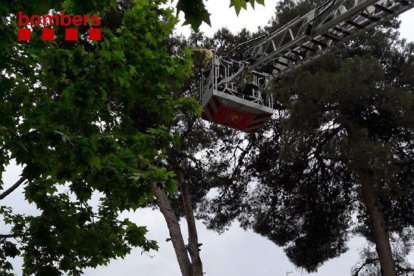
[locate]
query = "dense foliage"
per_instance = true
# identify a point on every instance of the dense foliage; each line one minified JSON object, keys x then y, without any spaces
{"x":85,"y":119}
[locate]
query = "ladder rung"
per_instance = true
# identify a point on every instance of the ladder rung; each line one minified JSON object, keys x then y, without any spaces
{"x":308,"y":48}
{"x":299,"y":53}
{"x":404,"y":2}
{"x":282,"y":63}
{"x":346,"y":33}
{"x":384,"y":9}
{"x":356,"y":25}
{"x":369,"y":17}
{"x":319,"y":43}
{"x":289,"y":58}
{"x":332,"y":36}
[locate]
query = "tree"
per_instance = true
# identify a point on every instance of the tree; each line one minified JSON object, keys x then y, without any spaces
{"x":124,"y":133}
{"x":194,"y":176}
{"x":86,"y":118}
{"x":340,"y":145}
{"x":200,"y":162}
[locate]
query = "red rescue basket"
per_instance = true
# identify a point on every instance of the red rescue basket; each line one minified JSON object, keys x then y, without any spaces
{"x":233,"y":97}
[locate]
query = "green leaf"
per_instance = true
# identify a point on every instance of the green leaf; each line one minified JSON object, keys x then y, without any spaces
{"x":238,"y":5}
{"x":195,"y":12}
{"x":10,"y":249}
{"x":95,"y":162}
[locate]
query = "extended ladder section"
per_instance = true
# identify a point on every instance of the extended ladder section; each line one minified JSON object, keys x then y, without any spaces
{"x":308,"y":37}
{"x":236,"y":91}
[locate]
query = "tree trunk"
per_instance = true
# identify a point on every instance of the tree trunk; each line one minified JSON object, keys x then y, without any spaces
{"x":175,"y":232}
{"x":378,"y":227}
{"x":360,"y":149}
{"x":193,"y":245}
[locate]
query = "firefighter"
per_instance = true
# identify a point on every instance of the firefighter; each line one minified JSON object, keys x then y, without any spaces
{"x":202,"y":59}
{"x":248,"y":85}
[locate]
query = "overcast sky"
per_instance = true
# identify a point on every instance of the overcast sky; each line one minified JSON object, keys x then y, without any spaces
{"x":223,"y":16}
{"x":236,"y":252}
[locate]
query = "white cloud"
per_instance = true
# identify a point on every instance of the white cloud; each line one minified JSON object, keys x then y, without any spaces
{"x":407,"y":25}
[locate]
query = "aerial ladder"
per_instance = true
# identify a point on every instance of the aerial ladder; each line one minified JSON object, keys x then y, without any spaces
{"x":236,"y":88}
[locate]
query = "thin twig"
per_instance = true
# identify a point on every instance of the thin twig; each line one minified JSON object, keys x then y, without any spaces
{"x":367,"y":262}
{"x":12,"y":188}
{"x":7,"y":236}
{"x":4,"y":237}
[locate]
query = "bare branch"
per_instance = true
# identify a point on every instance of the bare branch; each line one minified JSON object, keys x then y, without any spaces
{"x":367,"y":262}
{"x":12,"y":188}
{"x":243,"y":154}
{"x":4,"y":237}
{"x":7,"y":236}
